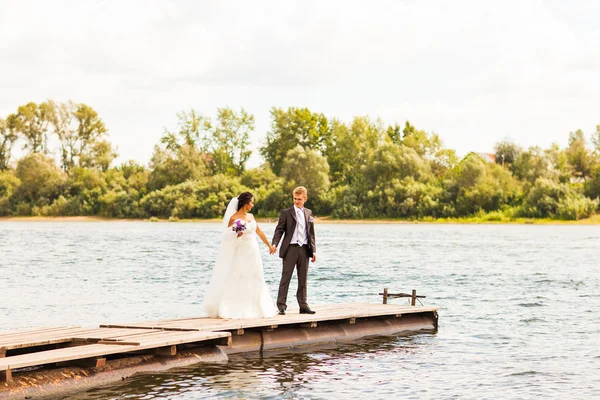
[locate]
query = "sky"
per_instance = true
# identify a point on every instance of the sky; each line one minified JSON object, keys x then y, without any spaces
{"x":474,"y":72}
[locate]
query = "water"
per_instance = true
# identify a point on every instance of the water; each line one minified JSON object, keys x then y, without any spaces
{"x":519,"y":317}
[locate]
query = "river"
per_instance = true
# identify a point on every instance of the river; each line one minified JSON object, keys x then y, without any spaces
{"x":518,"y":317}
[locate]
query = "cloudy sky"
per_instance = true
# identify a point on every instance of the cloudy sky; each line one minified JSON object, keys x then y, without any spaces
{"x":474,"y":72}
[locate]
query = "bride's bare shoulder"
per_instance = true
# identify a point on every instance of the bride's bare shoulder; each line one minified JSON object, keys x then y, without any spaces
{"x":233,"y":218}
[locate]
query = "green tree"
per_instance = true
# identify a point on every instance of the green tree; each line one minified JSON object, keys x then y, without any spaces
{"x":91,"y":149}
{"x":7,"y":140}
{"x":592,"y":185}
{"x":135,"y":175}
{"x":550,"y":199}
{"x":558,"y":162}
{"x":307,"y":168}
{"x":420,"y":141}
{"x":578,"y":155}
{"x":31,"y":121}
{"x":390,"y":162}
{"x":477,"y":186}
{"x":394,"y":134}
{"x":343,"y":153}
{"x":99,"y":155}
{"x":62,"y":119}
{"x":430,"y":147}
{"x":168,"y":168}
{"x":8,"y":183}
{"x":230,"y":141}
{"x":533,"y":164}
{"x":506,"y":152}
{"x":41,"y":179}
{"x":193,"y":131}
{"x":596,"y":140}
{"x":350,"y":147}
{"x":293,"y":127}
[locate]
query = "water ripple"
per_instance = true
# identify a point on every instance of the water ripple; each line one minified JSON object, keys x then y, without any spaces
{"x":517,"y":318}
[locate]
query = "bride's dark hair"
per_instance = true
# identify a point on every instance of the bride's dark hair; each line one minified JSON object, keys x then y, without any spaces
{"x":244,"y":199}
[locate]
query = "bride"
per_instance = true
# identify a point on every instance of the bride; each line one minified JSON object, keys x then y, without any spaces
{"x":237,"y":288}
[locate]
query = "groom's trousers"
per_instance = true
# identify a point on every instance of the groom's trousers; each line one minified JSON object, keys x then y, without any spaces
{"x":296,"y":256}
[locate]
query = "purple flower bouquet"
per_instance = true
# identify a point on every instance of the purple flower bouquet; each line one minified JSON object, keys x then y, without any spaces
{"x":238,"y":226}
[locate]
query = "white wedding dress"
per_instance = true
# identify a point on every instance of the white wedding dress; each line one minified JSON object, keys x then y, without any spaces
{"x":237,"y":288}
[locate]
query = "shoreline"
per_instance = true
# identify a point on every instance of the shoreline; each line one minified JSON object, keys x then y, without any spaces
{"x":594,"y":220}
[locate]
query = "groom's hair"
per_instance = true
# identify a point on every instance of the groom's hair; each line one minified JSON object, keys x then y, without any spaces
{"x":244,"y":199}
{"x":301,"y":190}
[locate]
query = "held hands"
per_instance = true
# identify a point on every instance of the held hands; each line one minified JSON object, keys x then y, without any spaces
{"x":272,"y":249}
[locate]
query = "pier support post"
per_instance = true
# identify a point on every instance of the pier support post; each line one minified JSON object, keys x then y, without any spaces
{"x":166,"y":351}
{"x":6,"y":376}
{"x":93,"y":362}
{"x":413,"y":300}
{"x":385,"y":295}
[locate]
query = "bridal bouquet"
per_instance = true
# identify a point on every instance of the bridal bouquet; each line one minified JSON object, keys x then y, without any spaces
{"x":238,"y":226}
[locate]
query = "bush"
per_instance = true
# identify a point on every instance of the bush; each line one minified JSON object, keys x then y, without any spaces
{"x":549,"y":199}
{"x":40,"y":178}
{"x":120,"y":204}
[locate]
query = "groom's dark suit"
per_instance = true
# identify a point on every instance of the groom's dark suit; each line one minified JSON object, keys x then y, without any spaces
{"x":294,"y":255}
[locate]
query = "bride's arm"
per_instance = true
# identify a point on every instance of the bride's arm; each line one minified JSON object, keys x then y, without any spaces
{"x":262,"y":237}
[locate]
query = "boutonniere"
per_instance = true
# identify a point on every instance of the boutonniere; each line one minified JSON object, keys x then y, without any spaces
{"x":311,"y":220}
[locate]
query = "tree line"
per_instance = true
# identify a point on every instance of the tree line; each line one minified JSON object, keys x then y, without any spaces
{"x":358,"y":169}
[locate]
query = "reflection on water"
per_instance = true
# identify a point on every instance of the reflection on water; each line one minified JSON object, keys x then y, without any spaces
{"x":375,"y":362}
{"x":518,"y":319}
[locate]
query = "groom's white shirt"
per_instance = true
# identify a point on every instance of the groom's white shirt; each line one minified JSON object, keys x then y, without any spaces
{"x":299,"y":235}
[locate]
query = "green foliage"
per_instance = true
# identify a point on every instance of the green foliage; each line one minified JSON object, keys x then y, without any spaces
{"x":592,"y":186}
{"x":31,"y":121}
{"x":305,"y":168}
{"x":192,"y":131}
{"x":7,"y":140}
{"x":8,"y":183}
{"x":172,"y":169}
{"x":390,"y":162}
{"x":224,"y":145}
{"x":557,"y":158}
{"x":506,"y":152}
{"x":293,"y":127}
{"x":596,"y":141}
{"x":578,"y":156}
{"x":41,"y":179}
{"x":344,"y":153}
{"x":360,"y":169}
{"x":120,"y":204}
{"x":549,"y":199}
{"x":206,"y":198}
{"x":533,"y":164}
{"x":230,"y":141}
{"x":99,"y":155}
{"x":477,"y":186}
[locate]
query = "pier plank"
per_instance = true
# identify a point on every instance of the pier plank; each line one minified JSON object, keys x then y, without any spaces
{"x":330,"y":312}
{"x":33,"y":330}
{"x":167,"y":338}
{"x":66,"y":336}
{"x":124,"y":338}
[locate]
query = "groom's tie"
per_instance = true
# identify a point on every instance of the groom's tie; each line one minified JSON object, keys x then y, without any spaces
{"x":300,"y":227}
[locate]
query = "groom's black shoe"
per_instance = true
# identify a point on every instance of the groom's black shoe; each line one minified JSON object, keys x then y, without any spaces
{"x":281,"y":311}
{"x":306,"y":311}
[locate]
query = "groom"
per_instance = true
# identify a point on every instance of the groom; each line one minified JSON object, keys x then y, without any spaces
{"x":298,"y":246}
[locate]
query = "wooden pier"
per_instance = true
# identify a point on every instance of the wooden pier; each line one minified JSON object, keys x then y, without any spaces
{"x":72,"y":346}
